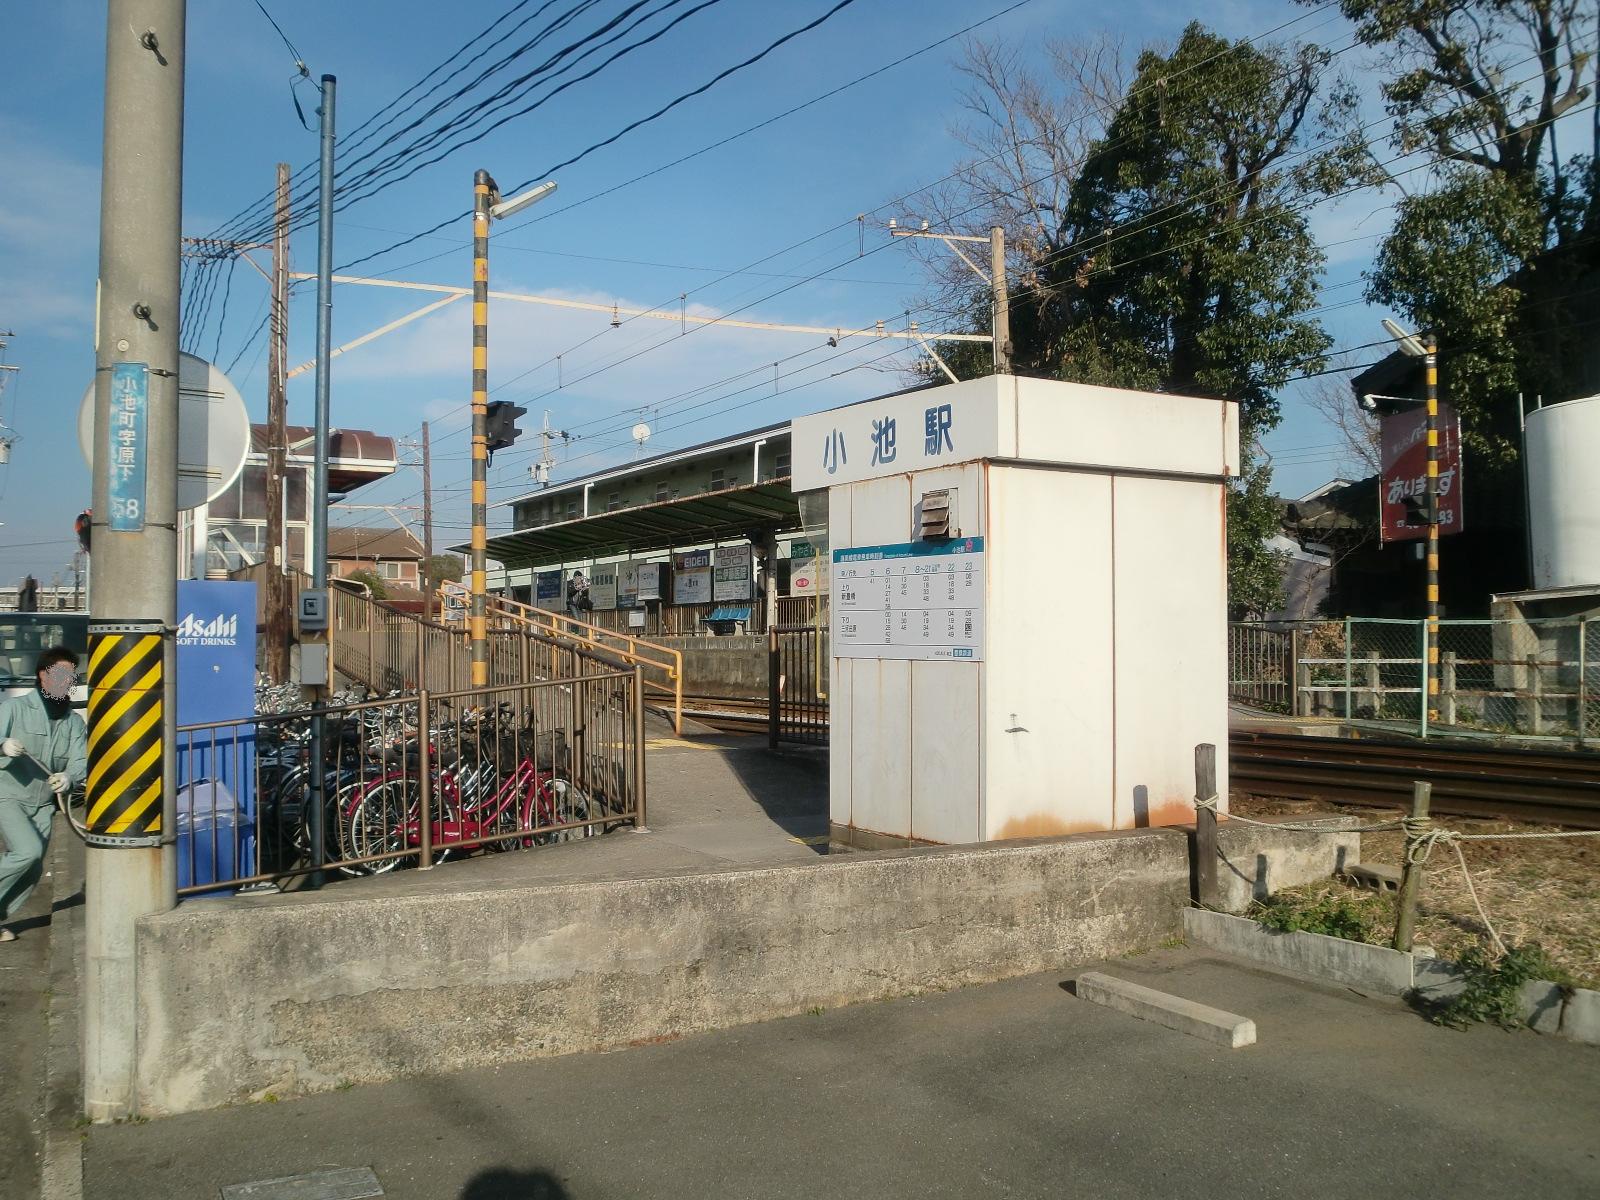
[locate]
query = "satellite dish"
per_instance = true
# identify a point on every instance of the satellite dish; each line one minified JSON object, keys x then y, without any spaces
{"x":213,"y":431}
{"x":641,"y":433}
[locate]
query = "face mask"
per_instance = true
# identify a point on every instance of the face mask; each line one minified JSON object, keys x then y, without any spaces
{"x":56,"y":681}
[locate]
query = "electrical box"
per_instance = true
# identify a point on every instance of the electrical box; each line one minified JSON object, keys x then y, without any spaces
{"x":313,"y":611}
{"x":314,"y":664}
{"x":1028,"y":607}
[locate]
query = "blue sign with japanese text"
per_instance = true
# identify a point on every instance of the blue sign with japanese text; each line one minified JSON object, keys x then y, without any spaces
{"x":130,"y":403}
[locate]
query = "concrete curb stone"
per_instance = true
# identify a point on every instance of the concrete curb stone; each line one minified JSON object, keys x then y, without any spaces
{"x":1547,"y":1007}
{"x":1160,"y":1008}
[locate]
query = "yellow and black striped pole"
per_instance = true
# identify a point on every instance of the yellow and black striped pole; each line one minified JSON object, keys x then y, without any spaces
{"x":126,"y":729}
{"x":1430,"y":362}
{"x":482,"y":198}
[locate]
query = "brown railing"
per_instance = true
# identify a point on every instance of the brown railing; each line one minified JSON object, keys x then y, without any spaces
{"x":412,"y":781}
{"x":663,"y":665}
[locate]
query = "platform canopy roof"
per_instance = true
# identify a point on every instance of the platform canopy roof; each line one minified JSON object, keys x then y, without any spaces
{"x":724,"y":515}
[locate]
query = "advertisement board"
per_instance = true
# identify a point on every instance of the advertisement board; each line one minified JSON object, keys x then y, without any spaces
{"x":733,"y":574}
{"x":603,"y":586}
{"x":650,"y":577}
{"x":1404,"y":455}
{"x":691,"y":577}
{"x":806,"y":575}
{"x":548,"y":592}
{"x":627,"y":584}
{"x":915,"y":600}
{"x":215,"y":657}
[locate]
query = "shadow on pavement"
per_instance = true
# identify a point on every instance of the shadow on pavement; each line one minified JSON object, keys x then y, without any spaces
{"x":503,"y":1183}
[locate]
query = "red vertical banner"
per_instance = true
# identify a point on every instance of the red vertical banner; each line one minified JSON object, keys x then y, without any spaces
{"x":1404,"y":452}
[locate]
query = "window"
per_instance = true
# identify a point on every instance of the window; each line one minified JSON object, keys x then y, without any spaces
{"x":613,"y":501}
{"x":718,"y":480}
{"x":662,"y":491}
{"x":780,"y":465}
{"x":388,"y":570}
{"x":572,"y":509}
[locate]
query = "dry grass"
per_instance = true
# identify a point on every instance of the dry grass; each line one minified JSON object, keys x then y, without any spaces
{"x":1544,"y":891}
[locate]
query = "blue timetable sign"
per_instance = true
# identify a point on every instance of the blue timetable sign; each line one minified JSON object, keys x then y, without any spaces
{"x":127,"y":445}
{"x":911,"y":600}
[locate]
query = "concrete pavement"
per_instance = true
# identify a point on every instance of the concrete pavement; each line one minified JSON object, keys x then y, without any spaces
{"x":1015,"y":1088}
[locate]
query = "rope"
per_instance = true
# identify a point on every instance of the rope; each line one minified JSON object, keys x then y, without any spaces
{"x":1210,"y":805}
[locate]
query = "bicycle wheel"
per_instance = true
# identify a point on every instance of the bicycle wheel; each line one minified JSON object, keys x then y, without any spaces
{"x":377,"y":824}
{"x":557,"y":802}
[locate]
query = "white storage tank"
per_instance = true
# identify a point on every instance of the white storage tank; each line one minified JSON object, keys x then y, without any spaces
{"x":1563,"y":449}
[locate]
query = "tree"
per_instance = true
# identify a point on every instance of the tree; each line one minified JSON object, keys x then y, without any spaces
{"x":1489,"y":255}
{"x":443,"y":568}
{"x":1185,"y":261}
{"x":372,"y":580}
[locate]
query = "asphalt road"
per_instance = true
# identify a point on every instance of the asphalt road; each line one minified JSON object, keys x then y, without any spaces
{"x":24,"y":1010}
{"x":1013,"y":1089}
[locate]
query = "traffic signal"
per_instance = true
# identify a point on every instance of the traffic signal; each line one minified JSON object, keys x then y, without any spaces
{"x":1416,"y":511}
{"x":81,"y":528}
{"x":501,"y":424}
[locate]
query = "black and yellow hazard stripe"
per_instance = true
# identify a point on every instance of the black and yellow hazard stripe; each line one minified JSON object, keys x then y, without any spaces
{"x":123,"y":791}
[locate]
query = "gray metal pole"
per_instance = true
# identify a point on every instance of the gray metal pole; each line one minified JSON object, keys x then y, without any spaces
{"x":319,"y":498}
{"x":135,"y":569}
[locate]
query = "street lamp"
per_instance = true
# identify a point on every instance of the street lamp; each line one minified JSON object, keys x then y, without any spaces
{"x":486,"y":205}
{"x":1428,"y":352}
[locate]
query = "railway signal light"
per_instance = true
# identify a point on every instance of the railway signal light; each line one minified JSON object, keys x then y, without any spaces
{"x":501,"y":424}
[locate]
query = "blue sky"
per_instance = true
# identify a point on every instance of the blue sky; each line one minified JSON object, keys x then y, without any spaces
{"x":798,"y":183}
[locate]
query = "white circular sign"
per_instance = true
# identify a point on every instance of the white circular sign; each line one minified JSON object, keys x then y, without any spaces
{"x":213,"y":431}
{"x":641,"y":433}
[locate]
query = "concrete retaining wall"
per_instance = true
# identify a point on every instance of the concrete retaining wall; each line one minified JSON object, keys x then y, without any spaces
{"x":289,"y":994}
{"x":1257,"y":860}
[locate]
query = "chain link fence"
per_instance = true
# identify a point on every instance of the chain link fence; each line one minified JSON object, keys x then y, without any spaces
{"x":1526,"y":678}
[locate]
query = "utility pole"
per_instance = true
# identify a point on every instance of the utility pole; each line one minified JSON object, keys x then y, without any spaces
{"x":1430,"y":363}
{"x":319,"y":497}
{"x":482,"y":199}
{"x":133,"y":592}
{"x":1002,"y":300}
{"x":279,"y":601}
{"x":428,"y":582}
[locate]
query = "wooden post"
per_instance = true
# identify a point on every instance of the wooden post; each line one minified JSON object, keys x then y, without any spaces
{"x":1535,"y":695}
{"x":1205,"y":824}
{"x":1300,"y":702}
{"x":1374,"y":674}
{"x":1411,"y":878}
{"x":277,"y":601}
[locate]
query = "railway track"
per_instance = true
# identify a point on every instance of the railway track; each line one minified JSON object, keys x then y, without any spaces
{"x":1502,"y":783}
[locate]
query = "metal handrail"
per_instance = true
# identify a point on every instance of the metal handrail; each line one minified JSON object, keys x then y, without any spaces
{"x":636,"y":651}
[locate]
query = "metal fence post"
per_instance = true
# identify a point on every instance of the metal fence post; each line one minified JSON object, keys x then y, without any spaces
{"x":1535,"y":695}
{"x":1583,"y":680}
{"x":638,"y":749}
{"x":425,"y":791}
{"x":772,"y":688}
{"x":1349,"y":673}
{"x":1424,"y":695}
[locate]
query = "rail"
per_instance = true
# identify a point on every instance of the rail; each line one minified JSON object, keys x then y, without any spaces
{"x":410,"y":781}
{"x":1561,"y":787}
{"x":629,"y":649}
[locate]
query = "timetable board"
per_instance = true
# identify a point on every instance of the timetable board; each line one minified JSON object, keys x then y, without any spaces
{"x":915,"y":600}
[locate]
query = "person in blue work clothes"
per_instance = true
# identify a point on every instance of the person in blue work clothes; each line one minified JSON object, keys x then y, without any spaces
{"x":44,"y":751}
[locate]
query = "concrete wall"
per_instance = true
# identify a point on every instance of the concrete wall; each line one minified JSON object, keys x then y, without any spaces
{"x":723,"y":666}
{"x":1257,"y":860}
{"x":293,"y":994}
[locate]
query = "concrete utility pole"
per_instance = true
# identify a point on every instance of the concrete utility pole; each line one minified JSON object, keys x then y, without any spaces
{"x":428,"y":581}
{"x":477,"y":625}
{"x":133,"y":592}
{"x":1002,"y":300}
{"x":279,"y":600}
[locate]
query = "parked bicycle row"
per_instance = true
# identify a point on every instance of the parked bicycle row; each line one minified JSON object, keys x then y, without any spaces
{"x":494,"y":771}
